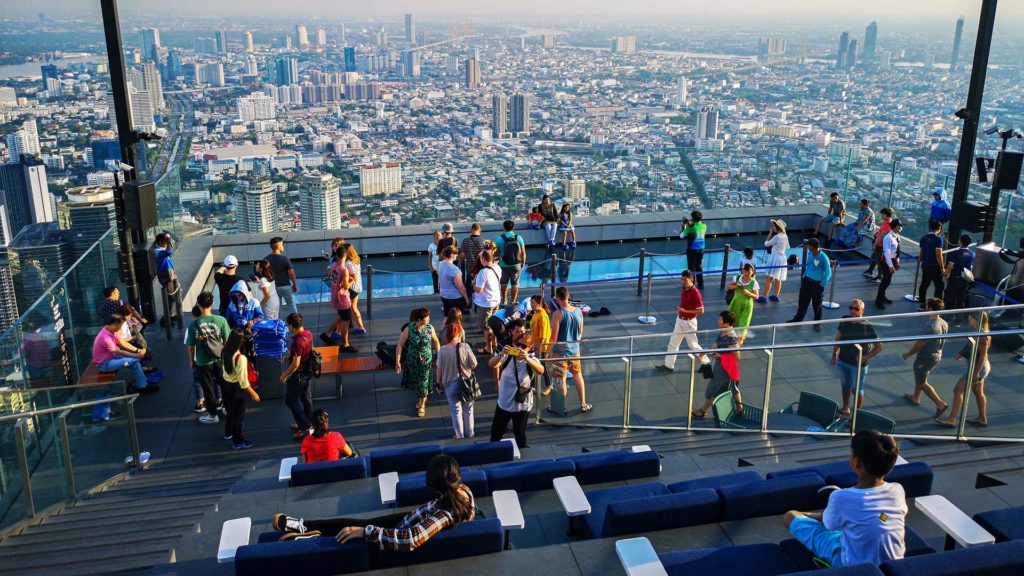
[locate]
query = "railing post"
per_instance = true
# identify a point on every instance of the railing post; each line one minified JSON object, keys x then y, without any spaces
{"x":725,"y":265}
{"x":369,"y":290}
{"x":26,"y":476}
{"x":167,"y":311}
{"x":133,"y":434}
{"x":647,"y":318}
{"x":626,"y":389}
{"x":967,"y":387}
{"x":640,"y":273}
{"x":554,"y":273}
{"x":767,"y":390}
{"x":912,"y":297}
{"x":689,"y":398}
{"x":856,"y":389}
{"x":69,"y":473}
{"x":831,"y":303}
{"x":803,"y":261}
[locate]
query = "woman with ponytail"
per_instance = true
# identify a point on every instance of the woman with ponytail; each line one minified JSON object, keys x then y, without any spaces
{"x":323,"y":445}
{"x":397,"y":532}
{"x":237,"y":389}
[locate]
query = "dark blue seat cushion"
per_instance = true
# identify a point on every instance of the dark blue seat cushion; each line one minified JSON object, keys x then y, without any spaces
{"x":594,"y":523}
{"x":466,"y":539}
{"x":595,"y":468}
{"x":855,"y":570}
{"x":915,"y":546}
{"x":527,"y":476}
{"x":313,"y":557}
{"x":323,"y":472}
{"x":1005,"y":524}
{"x":481,"y":453}
{"x":402,"y":460}
{"x":715,"y":482}
{"x":768,"y":497}
{"x":662,"y":512}
{"x":996,"y":560}
{"x":915,"y":477}
{"x":823,"y":470}
{"x":412,"y":488}
{"x":749,"y":560}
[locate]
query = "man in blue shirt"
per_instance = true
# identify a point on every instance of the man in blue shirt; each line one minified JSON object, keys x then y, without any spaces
{"x":932,"y":265}
{"x":940,"y":208}
{"x":956,"y":285}
{"x":166,"y":274}
{"x":817,"y":274}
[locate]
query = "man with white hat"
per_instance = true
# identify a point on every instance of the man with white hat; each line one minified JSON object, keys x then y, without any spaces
{"x":225,"y":279}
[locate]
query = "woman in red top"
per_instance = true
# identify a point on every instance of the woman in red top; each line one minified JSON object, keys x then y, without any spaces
{"x":323,"y":445}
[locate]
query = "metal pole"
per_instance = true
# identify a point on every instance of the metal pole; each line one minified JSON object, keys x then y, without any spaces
{"x":1006,"y":221}
{"x":26,"y":476}
{"x":554,"y":268}
{"x":647,"y":318}
{"x":627,"y":384}
{"x":689,"y":397}
{"x":971,"y":364}
{"x":119,"y":84}
{"x":856,"y":389}
{"x":767,"y":390}
{"x":369,"y":291}
{"x":725,"y":265}
{"x":640,"y":273}
{"x":912,"y":297}
{"x":133,"y":434}
{"x":831,"y":304}
{"x":892,"y":184}
{"x":167,"y":311}
{"x":69,"y":473}
{"x":803,"y":261}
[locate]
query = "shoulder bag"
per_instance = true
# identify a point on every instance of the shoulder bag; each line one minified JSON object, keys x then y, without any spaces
{"x":469,"y":387}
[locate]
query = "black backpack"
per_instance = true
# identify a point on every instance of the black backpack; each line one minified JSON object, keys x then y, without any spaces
{"x":315,"y":365}
{"x":510,"y":254}
{"x":387,"y":354}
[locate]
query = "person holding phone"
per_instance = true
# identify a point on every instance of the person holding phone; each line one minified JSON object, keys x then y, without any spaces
{"x":518,"y":365}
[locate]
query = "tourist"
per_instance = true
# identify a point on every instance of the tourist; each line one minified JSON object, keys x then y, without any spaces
{"x":243,"y":310}
{"x":691,"y":305}
{"x":512,"y":249}
{"x":817,"y":274}
{"x":748,"y":258}
{"x":975,"y":373}
{"x":197,"y":386}
{"x":202,"y":337}
{"x":454,"y":316}
{"x":238,"y":389}
{"x":550,"y":214}
{"x":449,"y":279}
{"x":296,"y":377}
{"x":324,"y":445}
{"x":745,"y":292}
{"x":835,"y":216}
{"x":933,"y":265}
{"x":535,"y":220}
{"x":469,"y":252}
{"x":778,"y":270}
{"x":166,"y":274}
{"x":456,"y":361}
{"x":401,"y":531}
{"x":889,"y":263}
{"x":487,"y":297}
{"x":341,"y":301}
{"x":540,"y":334}
{"x":284,"y":275}
{"x":846,"y":357}
{"x":927,"y":355}
{"x":567,"y":328}
{"x":876,"y":245}
{"x":863,"y":524}
{"x":110,"y":353}
{"x":131,"y":330}
{"x":417,"y":346}
{"x":725,"y":372}
{"x":355,"y":287}
{"x":517,"y":365}
{"x":433,"y":258}
{"x":566,"y":227}
{"x":225,"y":279}
{"x":270,"y":303}
{"x":112,"y":302}
{"x":941,"y":211}
{"x":959,"y":265}
{"x":447,"y":238}
{"x":694,"y":232}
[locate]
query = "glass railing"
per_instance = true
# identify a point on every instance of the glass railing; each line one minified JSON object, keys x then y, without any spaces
{"x":52,"y":455}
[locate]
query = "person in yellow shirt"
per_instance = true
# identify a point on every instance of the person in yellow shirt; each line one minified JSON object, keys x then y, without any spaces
{"x":540,"y":332}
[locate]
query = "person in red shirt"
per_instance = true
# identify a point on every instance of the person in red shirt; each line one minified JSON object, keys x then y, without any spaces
{"x":323,"y":445}
{"x":298,"y":394}
{"x":691,"y":305}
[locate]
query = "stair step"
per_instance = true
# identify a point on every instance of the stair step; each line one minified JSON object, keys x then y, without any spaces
{"x":78,"y":545}
{"x":144,"y":507}
{"x":47,"y":532}
{"x":89,"y":505}
{"x":196,"y":483}
{"x":145,"y":481}
{"x":134,"y":565}
{"x":132,"y":495}
{"x":57,"y":563}
{"x":86,"y":520}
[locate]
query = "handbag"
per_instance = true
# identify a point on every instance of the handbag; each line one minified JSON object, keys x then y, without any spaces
{"x":522,"y":392}
{"x":469,"y":387}
{"x":706,"y":371}
{"x":253,"y":375}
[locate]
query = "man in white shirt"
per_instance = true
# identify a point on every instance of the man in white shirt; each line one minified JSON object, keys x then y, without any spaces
{"x":434,"y":260}
{"x":487,"y":297}
{"x":863,"y":524}
{"x":890,"y":261}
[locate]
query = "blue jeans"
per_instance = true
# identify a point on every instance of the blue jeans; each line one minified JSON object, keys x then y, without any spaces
{"x":298,"y":397}
{"x":848,"y":375}
{"x":115,"y":364}
{"x":287,"y":298}
{"x":823,"y":543}
{"x":550,"y":229}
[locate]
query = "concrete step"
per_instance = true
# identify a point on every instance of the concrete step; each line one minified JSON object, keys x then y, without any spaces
{"x":85,"y":521}
{"x":133,"y":565}
{"x":142,"y":507}
{"x":90,"y":505}
{"x":47,"y":532}
{"x":73,"y":545}
{"x":57,"y":563}
{"x":167,"y":492}
{"x":147,"y":482}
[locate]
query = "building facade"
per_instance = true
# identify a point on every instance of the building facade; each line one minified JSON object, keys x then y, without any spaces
{"x":375,"y":179}
{"x":321,"y":202}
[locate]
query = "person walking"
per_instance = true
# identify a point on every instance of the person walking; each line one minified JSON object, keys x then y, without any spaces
{"x":512,"y":249}
{"x":745,"y":292}
{"x":355,"y":287}
{"x":933,"y":265}
{"x":550,"y":214}
{"x":518,"y":366}
{"x":927,"y":355}
{"x":567,"y":326}
{"x":959,"y":265}
{"x":111,"y":353}
{"x":284,"y":275}
{"x":487,"y":297}
{"x":455,"y":361}
{"x":889,"y":263}
{"x":449,"y":279}
{"x":434,"y":259}
{"x":417,"y":346}
{"x":845,"y":357}
{"x":876,"y":246}
{"x":566,"y":227}
{"x":270,"y":303}
{"x":237,"y":389}
{"x":691,"y":305}
{"x":298,"y":393}
{"x":725,"y":372}
{"x":225,"y":278}
{"x":469,"y":252}
{"x":341,"y":301}
{"x":778,"y":246}
{"x":816,"y":276}
{"x":202,"y":337}
{"x":694,"y":231}
{"x":975,"y":374}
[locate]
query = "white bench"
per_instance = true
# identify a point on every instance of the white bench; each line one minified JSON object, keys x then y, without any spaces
{"x":643,"y":448}
{"x":959,"y":527}
{"x":638,"y":557}
{"x":900,"y":460}
{"x":572,"y":498}
{"x":284,"y":473}
{"x":388,"y":483}
{"x":515,"y":448}
{"x":233,"y":534}
{"x":509,"y":512}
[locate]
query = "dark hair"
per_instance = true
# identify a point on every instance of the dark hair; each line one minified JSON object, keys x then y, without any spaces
{"x":877,"y":452}
{"x":205,"y":300}
{"x":748,"y":252}
{"x":965,"y":240}
{"x":266,"y":270}
{"x":196,"y":312}
{"x":445,"y":479}
{"x":886,"y":211}
{"x":562,"y":293}
{"x":475,"y":227}
{"x":109,"y":291}
{"x":545,"y":197}
{"x":686,"y":274}
{"x":275,"y":241}
{"x":115,"y":319}
{"x":234,"y":344}
{"x":126,"y":310}
{"x":514,"y":323}
{"x":935,"y":304}
{"x":454,"y":316}
{"x":934,"y":224}
{"x":537,"y":299}
{"x":728,"y":317}
{"x":836,"y":194}
{"x":566,"y":208}
{"x":294,"y":320}
{"x":418,"y":314}
{"x":747,"y":265}
{"x":508,"y":225}
{"x":865,"y":201}
{"x":449,"y":251}
{"x":792,"y":260}
{"x":696,"y":215}
{"x":162,"y":239}
{"x":321,"y":424}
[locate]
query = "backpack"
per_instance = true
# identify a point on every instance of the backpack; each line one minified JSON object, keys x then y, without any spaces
{"x":315,"y":365}
{"x":210,"y":340}
{"x":387,"y":354}
{"x":510,"y":253}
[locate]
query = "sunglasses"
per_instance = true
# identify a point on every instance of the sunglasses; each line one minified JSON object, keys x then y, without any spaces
{"x":856,"y":308}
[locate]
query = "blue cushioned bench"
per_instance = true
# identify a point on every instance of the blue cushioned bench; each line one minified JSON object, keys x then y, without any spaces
{"x":481,"y":453}
{"x":915,"y":546}
{"x":402,"y":460}
{"x":915,"y":477}
{"x":527,"y":476}
{"x":412,"y":488}
{"x":771,"y":496}
{"x":1005,"y":524}
{"x":467,"y":539}
{"x":615,"y":466}
{"x":323,"y":472}
{"x":1002,"y":559}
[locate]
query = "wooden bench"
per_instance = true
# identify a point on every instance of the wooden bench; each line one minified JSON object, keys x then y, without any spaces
{"x":957,"y":525}
{"x":338,"y":366}
{"x":92,"y":375}
{"x":638,"y":557}
{"x":233,"y":534}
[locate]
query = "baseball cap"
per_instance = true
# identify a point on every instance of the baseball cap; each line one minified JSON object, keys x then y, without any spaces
{"x":447,"y":228}
{"x":813,"y":242}
{"x":230,"y":262}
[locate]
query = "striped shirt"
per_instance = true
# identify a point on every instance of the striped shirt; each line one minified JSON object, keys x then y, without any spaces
{"x":419,"y":526}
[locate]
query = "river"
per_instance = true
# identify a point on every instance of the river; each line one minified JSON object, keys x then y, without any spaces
{"x":32,"y":69}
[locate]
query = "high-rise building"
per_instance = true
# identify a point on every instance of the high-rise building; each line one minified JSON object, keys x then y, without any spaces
{"x":844,"y":45}
{"x":255,"y":206}
{"x":91,"y":215}
{"x":251,"y":67}
{"x":222,"y":42}
{"x":342,"y":33}
{"x":287,"y":71}
{"x":321,"y":202}
{"x":249,"y":46}
{"x":869,"y":57}
{"x":24,"y":141}
{"x":321,"y":37}
{"x":8,"y":297}
{"x":381,"y":37}
{"x":958,"y":36}
{"x":211,"y":73}
{"x":149,"y":43}
{"x":39,"y":255}
{"x":26,"y":194}
{"x":377,"y":179}
{"x":8,"y":97}
{"x":575,"y":189}
{"x":681,"y":91}
{"x":499,"y":115}
{"x":256,"y":106}
{"x":350,"y":59}
{"x":472,"y":73}
{"x":623,"y":44}
{"x":411,"y":63}
{"x":49,"y":72}
{"x":547,"y":40}
{"x":301,"y":36}
{"x":851,"y":55}
{"x":143,"y":112}
{"x":5,"y":224}
{"x":410,"y":29}
{"x":707,"y":123}
{"x":151,"y":83}
{"x":175,"y":67}
{"x":519,"y":114}
{"x":204,"y":45}
{"x":770,"y":48}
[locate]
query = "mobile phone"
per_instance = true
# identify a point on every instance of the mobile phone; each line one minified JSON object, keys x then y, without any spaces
{"x":513,"y":351}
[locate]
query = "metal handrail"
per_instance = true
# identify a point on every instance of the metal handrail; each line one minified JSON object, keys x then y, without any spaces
{"x":85,"y":386}
{"x":129,"y":398}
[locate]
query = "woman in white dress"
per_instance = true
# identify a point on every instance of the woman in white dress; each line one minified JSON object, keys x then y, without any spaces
{"x":265,"y":291}
{"x":352,"y":264}
{"x":777,"y":245}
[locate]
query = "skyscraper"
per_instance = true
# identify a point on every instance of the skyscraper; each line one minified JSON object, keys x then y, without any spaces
{"x":212,"y":74}
{"x":575,"y":189}
{"x":844,"y":45}
{"x":91,"y":214}
{"x":321,"y":37}
{"x":26,"y":194}
{"x":301,"y":36}
{"x":410,"y":29}
{"x":249,"y":46}
{"x":342,"y":33}
{"x":205,"y":45}
{"x":49,"y":71}
{"x":623,"y":44}
{"x":222,"y":41}
{"x":377,"y":179}
{"x":24,"y":141}
{"x":681,"y":90}
{"x":519,"y":115}
{"x":256,"y":106}
{"x":151,"y":83}
{"x":954,"y":60}
{"x":255,"y":205}
{"x":472,"y":73}
{"x":39,"y":254}
{"x":174,"y":66}
{"x":149,"y":42}
{"x":499,"y":115}
{"x":411,"y":63}
{"x":321,"y":203}
{"x":103,"y":150}
{"x":287,"y":71}
{"x":707,"y":123}
{"x":851,"y":55}
{"x":869,"y":57}
{"x":350,"y":59}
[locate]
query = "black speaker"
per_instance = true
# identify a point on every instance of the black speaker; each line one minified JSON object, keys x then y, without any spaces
{"x":1008,"y":170}
{"x":971,"y":216}
{"x":140,"y":204}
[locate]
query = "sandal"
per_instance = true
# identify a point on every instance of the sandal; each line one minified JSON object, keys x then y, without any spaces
{"x":551,"y":410}
{"x":698,"y":413}
{"x":944,"y":423}
{"x":843,"y":412}
{"x":977,"y":422}
{"x":940,"y":411}
{"x":584,"y":408}
{"x":421,"y":411}
{"x":910,"y":400}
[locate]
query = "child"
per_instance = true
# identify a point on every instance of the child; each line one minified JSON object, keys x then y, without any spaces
{"x":748,"y":258}
{"x":863,"y":524}
{"x":535,"y":219}
{"x":565,"y":225}
{"x":200,"y":406}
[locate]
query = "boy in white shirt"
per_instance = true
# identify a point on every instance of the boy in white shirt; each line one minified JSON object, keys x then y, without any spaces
{"x":863,"y":524}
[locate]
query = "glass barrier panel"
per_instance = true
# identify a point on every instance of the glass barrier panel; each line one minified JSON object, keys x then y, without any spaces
{"x":46,"y":460}
{"x":659,"y":397}
{"x":744,"y":407}
{"x":99,"y":441}
{"x":1001,"y":389}
{"x":12,"y":503}
{"x":804,"y":380}
{"x":604,"y":383}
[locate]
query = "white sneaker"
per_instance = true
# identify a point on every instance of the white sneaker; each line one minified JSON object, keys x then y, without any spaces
{"x":207,"y":419}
